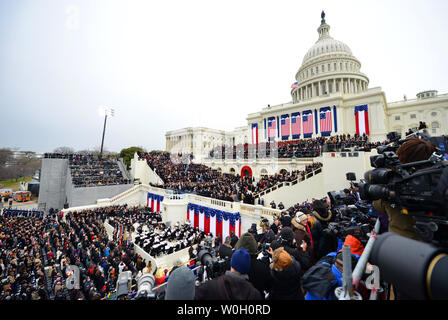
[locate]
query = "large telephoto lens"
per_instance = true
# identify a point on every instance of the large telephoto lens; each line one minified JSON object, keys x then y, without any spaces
{"x":377,"y":176}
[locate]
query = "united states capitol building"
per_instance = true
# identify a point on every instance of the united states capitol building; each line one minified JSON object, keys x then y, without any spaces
{"x":330,"y":78}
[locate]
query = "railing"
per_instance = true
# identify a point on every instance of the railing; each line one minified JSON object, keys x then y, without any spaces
{"x":288,"y":183}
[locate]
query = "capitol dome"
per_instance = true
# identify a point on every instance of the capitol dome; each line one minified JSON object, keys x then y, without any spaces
{"x":326,"y":46}
{"x":328,"y":67}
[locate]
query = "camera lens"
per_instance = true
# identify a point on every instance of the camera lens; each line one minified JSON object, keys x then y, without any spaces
{"x":377,"y":176}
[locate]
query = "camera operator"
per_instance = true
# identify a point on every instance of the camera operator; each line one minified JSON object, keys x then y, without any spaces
{"x":402,"y":224}
{"x":259,"y":274}
{"x":234,"y":284}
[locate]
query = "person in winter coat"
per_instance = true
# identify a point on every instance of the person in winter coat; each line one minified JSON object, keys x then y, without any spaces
{"x":316,"y":234}
{"x":267,"y":236}
{"x":321,"y":211}
{"x":286,"y":239}
{"x":286,"y":272}
{"x":259,"y":274}
{"x":234,"y":284}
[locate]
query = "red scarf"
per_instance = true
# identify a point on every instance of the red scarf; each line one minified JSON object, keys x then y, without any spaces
{"x":309,"y":232}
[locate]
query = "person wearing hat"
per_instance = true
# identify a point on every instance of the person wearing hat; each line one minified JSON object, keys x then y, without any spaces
{"x":299,"y":227}
{"x":180,"y":285}
{"x":286,"y":273}
{"x":320,"y":210}
{"x":287,"y":240}
{"x":258,"y":274}
{"x":303,"y":237}
{"x":234,"y":284}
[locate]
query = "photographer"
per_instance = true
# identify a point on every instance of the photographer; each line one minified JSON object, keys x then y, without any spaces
{"x":402,"y":224}
{"x":234,"y":284}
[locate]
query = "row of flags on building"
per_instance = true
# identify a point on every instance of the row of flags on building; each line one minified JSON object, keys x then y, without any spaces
{"x":323,"y":121}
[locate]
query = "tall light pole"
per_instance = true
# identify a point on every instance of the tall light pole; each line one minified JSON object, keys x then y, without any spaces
{"x":107,"y":112}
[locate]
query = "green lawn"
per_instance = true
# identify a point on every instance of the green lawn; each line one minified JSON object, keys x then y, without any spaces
{"x":13,"y":184}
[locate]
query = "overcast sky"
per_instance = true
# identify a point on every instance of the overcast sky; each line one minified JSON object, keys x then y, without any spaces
{"x":165,"y":65}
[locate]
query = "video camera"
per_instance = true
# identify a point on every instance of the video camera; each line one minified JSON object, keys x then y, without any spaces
{"x":351,"y":217}
{"x":211,"y":265}
{"x":418,"y":188}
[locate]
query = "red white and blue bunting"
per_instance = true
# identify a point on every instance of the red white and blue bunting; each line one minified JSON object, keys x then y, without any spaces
{"x":214,"y":221}
{"x":153,"y":201}
{"x":362,"y":120}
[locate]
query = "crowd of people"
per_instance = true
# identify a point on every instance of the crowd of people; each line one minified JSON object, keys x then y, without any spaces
{"x":195,"y":178}
{"x":285,"y":261}
{"x":294,"y":257}
{"x":186,"y":176}
{"x":269,"y":181}
{"x":88,"y":170}
{"x":9,"y":212}
{"x":150,"y":233}
{"x":299,"y":148}
{"x":35,"y":254}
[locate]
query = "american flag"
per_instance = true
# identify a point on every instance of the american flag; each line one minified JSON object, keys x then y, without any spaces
{"x":295,"y":85}
{"x":285,"y":126}
{"x":296,"y":125}
{"x":307,"y":119}
{"x":272,"y":128}
{"x":325,"y":120}
{"x":255,"y":133}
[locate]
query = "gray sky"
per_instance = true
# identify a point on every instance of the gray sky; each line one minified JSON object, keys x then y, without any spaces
{"x":165,"y":65}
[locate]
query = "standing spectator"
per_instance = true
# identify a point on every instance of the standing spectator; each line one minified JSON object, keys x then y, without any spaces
{"x":316,"y":234}
{"x":321,"y":211}
{"x":180,"y":285}
{"x":286,"y":273}
{"x":285,"y":219}
{"x":259,"y":274}
{"x":234,"y":284}
{"x":225,"y":252}
{"x":267,"y":236}
{"x":275,"y":226}
{"x":233,"y":239}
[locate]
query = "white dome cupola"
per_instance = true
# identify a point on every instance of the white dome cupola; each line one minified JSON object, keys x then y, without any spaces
{"x":328,"y":67}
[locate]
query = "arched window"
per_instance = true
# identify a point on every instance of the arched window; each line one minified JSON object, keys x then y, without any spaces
{"x":264,"y":172}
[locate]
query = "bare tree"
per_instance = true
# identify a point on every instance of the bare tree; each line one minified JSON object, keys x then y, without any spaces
{"x":64,"y":150}
{"x":5,"y":156}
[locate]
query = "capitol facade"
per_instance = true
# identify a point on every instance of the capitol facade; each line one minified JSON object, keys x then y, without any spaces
{"x":331,"y":96}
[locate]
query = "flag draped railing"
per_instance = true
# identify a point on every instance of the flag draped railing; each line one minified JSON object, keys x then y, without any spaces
{"x":154,"y":201}
{"x":214,"y":221}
